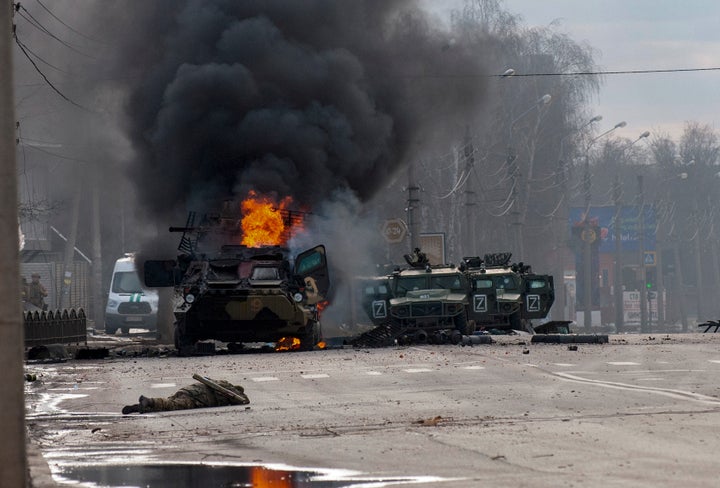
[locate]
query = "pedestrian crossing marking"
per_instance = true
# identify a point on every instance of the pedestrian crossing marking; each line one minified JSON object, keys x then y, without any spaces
{"x":373,"y":373}
{"x":417,"y":370}
{"x":265,"y":378}
{"x":473,"y":367}
{"x":314,"y":376}
{"x":623,"y":363}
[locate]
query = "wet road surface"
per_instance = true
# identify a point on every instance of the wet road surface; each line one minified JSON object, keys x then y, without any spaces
{"x":640,"y":411}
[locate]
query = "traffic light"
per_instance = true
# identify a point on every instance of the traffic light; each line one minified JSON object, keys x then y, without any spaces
{"x":650,"y":279}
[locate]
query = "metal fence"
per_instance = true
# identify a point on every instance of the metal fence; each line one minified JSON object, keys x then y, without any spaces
{"x":55,"y":327}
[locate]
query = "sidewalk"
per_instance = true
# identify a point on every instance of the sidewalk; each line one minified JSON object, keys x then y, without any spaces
{"x":39,"y":475}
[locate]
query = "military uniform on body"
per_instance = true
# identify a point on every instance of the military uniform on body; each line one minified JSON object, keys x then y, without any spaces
{"x":207,"y":393}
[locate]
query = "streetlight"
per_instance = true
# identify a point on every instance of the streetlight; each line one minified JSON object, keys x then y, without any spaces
{"x":544,"y":100}
{"x":660,"y":233}
{"x":617,"y":282}
{"x":560,"y":301}
{"x":588,"y":235}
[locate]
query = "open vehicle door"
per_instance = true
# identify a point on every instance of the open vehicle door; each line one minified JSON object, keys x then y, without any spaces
{"x":161,"y":273}
{"x":311,"y":268}
{"x":374,"y":295}
{"x":539,"y":296}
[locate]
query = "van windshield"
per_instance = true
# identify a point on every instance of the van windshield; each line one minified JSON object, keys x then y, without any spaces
{"x":126,"y":282}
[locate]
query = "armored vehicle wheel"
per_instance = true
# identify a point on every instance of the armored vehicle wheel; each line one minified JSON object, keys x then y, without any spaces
{"x":183,"y":344}
{"x":312,"y":337}
{"x":516,"y":321}
{"x":462,"y":324}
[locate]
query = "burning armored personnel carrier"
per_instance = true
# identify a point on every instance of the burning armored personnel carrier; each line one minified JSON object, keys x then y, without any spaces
{"x":239,"y":294}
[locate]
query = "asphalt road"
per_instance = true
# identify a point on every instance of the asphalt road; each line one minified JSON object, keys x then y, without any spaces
{"x":639,"y":411}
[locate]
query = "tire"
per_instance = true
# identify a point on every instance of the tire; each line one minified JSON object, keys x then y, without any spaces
{"x":125,"y":330}
{"x":516,"y":321}
{"x":312,"y":337}
{"x":462,"y":324}
{"x":183,"y":344}
{"x":109,"y":330}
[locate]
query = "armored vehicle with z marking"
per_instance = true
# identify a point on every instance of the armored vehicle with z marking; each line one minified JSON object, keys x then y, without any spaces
{"x":239,"y":294}
{"x":422,"y":303}
{"x":442,"y":303}
{"x":506,"y":296}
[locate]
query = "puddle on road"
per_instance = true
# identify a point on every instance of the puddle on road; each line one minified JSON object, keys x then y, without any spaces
{"x":220,"y":476}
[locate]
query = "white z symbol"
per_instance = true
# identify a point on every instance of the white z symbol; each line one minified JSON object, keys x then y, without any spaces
{"x":379,"y":310}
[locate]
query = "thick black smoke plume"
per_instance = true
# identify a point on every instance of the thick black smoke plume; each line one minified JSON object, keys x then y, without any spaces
{"x":300,"y":98}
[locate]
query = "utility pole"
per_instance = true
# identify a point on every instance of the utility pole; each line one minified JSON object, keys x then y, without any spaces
{"x":69,"y":263}
{"x":618,"y":292}
{"x":558,"y":226}
{"x":643,"y":272}
{"x":469,"y":198}
{"x":413,"y":202}
{"x":97,"y":294}
{"x":588,"y":237}
{"x":13,"y":467}
{"x":698,"y":262}
{"x":680,"y":287}
{"x":660,"y":279}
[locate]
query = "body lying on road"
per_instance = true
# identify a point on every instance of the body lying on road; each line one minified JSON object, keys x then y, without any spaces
{"x":206,"y":393}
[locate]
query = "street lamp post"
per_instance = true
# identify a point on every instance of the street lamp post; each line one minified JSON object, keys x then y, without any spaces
{"x":560,"y":298}
{"x":512,"y":168}
{"x":643,"y":268}
{"x":660,"y":238}
{"x":588,"y":236}
{"x":617,"y":281}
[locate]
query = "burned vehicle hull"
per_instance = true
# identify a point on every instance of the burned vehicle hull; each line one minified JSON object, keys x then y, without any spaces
{"x":243,"y":294}
{"x":261,"y":309}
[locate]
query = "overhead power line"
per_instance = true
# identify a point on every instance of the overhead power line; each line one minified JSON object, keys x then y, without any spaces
{"x":27,"y":55}
{"x":65,"y":24}
{"x":38,"y":25}
{"x":614,"y":72}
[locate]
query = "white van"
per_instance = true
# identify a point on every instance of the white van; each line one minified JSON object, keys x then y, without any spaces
{"x":129,"y":304}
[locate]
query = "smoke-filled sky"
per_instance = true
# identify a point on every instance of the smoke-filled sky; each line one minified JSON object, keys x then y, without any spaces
{"x":297,"y":98}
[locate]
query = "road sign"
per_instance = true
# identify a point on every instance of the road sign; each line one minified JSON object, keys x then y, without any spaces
{"x":649,"y":258}
{"x":394,"y":230}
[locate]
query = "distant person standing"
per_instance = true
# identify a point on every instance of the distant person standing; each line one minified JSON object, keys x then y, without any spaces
{"x":37,"y":292}
{"x":24,"y":289}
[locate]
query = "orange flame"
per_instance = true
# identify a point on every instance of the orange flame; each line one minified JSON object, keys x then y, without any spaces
{"x":287,"y":344}
{"x":263,"y":478}
{"x":266,"y":222}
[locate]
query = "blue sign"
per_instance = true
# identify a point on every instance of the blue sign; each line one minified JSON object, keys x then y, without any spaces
{"x":629,"y":230}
